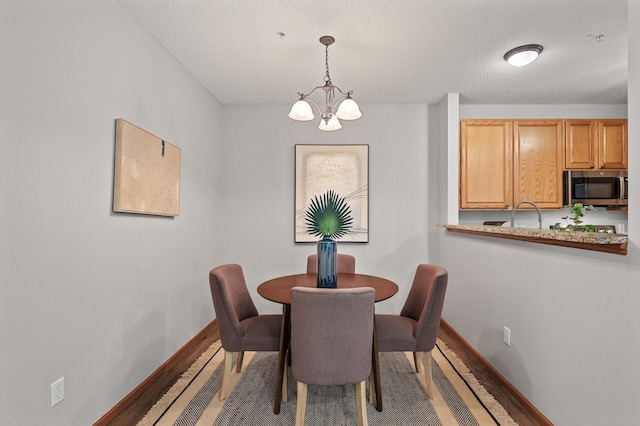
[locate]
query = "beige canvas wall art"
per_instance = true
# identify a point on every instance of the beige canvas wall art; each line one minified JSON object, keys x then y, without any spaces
{"x":147,"y":173}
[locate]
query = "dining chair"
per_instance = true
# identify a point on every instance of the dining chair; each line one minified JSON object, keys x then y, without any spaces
{"x":331,"y":341}
{"x":416,"y":328}
{"x":346,"y":264}
{"x":241,"y":327}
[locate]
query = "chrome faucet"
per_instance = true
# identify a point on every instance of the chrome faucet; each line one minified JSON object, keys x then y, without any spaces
{"x":513,"y":212}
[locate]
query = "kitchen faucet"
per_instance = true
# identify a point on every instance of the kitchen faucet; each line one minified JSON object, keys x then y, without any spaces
{"x":513,"y":212}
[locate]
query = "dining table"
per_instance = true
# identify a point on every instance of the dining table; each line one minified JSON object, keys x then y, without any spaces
{"x":279,"y":290}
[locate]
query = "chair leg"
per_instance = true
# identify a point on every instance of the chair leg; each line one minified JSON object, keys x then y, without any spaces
{"x":372,"y":391}
{"x":428,"y":377}
{"x":285,"y":392}
{"x":361,"y":400}
{"x":226,"y":375}
{"x":301,"y":407}
{"x":239,"y":362}
{"x":417,"y":361}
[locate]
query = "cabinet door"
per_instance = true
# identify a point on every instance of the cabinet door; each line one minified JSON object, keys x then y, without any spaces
{"x":581,"y":144}
{"x":485,"y":164}
{"x":538,"y":162}
{"x":612,"y":144}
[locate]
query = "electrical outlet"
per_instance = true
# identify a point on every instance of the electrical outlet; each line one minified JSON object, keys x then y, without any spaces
{"x":507,"y":336}
{"x":57,"y":391}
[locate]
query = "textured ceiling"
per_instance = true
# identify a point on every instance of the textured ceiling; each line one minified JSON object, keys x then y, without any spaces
{"x":397,"y":52}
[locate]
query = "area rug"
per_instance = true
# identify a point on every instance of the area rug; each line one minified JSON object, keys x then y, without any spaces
{"x":459,"y":398}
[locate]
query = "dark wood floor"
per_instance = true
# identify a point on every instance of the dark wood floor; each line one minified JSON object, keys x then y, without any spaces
{"x":133,"y":413}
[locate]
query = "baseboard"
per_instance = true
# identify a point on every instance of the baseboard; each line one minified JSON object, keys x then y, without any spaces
{"x":110,"y":415}
{"x":498,"y":378}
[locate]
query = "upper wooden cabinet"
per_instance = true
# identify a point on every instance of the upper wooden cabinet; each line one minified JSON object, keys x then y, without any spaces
{"x":596,"y":144}
{"x":505,"y":161}
{"x":486,"y":164}
{"x":538,"y":162}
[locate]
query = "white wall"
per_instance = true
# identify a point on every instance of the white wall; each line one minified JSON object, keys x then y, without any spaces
{"x":573,"y":314}
{"x":99,"y":298}
{"x":444,"y":120}
{"x":257,"y":226}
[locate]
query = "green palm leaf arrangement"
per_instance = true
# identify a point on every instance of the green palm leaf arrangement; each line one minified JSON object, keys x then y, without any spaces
{"x":329,"y":215}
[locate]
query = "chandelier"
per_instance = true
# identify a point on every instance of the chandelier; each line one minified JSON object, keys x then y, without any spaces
{"x":347,"y":107}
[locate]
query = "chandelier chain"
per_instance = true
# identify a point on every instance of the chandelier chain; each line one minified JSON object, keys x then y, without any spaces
{"x":329,"y":92}
{"x":327,"y":77}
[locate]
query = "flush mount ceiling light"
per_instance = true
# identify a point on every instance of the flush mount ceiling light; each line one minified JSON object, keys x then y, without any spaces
{"x":523,"y":55}
{"x":347,"y":108}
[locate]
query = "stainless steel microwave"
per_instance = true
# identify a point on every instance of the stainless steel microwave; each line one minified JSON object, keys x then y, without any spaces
{"x":596,"y":187}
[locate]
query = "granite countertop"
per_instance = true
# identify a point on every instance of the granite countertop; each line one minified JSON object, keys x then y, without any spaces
{"x":596,"y":241}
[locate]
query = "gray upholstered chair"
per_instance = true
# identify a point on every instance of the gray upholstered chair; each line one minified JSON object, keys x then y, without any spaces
{"x":241,"y":328}
{"x":331,"y":341}
{"x":416,"y":328}
{"x":346,"y":264}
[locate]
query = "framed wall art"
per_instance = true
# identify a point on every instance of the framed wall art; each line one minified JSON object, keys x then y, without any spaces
{"x":147,"y":173}
{"x":342,"y":168}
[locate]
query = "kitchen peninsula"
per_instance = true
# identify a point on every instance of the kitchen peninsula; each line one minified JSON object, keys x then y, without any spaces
{"x":594,"y":241}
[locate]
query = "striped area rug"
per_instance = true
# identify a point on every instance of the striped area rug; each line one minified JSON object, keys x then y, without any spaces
{"x":459,"y":398}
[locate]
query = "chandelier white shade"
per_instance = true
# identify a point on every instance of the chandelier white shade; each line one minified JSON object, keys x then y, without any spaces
{"x":331,"y":124}
{"x":523,"y":55}
{"x":347,"y":108}
{"x":301,"y":111}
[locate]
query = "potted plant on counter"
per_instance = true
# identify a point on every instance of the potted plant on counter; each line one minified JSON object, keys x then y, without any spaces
{"x":329,"y":217}
{"x":574,"y":219}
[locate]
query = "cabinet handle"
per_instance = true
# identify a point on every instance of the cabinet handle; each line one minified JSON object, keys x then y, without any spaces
{"x":593,"y":166}
{"x":602,"y":167}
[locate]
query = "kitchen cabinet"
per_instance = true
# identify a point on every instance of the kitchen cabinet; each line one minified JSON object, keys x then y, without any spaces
{"x":596,"y":144}
{"x":505,"y":161}
{"x":538,"y":162}
{"x":486,"y":164}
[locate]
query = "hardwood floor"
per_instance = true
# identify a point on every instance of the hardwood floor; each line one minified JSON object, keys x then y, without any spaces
{"x":133,"y":407}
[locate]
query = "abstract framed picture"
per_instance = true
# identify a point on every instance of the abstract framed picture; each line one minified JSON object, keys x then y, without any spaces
{"x":341,"y":168}
{"x":147,"y":173}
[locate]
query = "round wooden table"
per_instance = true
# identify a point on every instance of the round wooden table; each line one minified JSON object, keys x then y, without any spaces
{"x":279,"y":290}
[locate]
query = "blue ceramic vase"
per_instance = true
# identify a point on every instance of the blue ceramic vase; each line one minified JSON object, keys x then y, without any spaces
{"x":327,"y":263}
